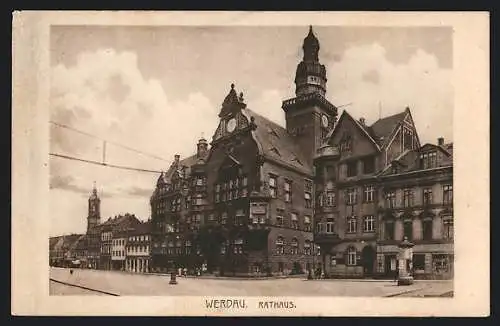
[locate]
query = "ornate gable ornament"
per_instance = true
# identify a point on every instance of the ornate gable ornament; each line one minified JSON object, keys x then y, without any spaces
{"x":232,"y":103}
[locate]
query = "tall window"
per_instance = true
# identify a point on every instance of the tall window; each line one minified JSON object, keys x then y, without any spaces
{"x":408,"y":197}
{"x":238,"y":246}
{"x":217,"y":193}
{"x":223,"y":218}
{"x":239,"y":217}
{"x":307,"y":247}
{"x":294,"y":220}
{"x":427,"y":196}
{"x":448,"y":227}
{"x":330,"y":198}
{"x":307,"y":223}
{"x":428,"y":160}
{"x":187,"y":246}
{"x":447,"y":194}
{"x":369,"y":194}
{"x":351,"y":196}
{"x":319,"y":199}
{"x":330,"y":194}
{"x":368,"y":165}
{"x":308,"y":190}
{"x":175,"y":204}
{"x":295,"y":246}
{"x":279,"y":217}
{"x":288,"y":191}
{"x":178,"y":247}
{"x":233,"y":186}
{"x":273,"y":186}
{"x":427,"y":229}
{"x":170,"y":247}
{"x":407,"y":139}
{"x":243,"y":186}
{"x":352,"y":224}
{"x":280,"y":246}
{"x":320,"y":227}
{"x":352,"y":169}
{"x":369,"y":223}
{"x":408,"y":229}
{"x":330,"y":226}
{"x":346,"y":143}
{"x":389,"y":230}
{"x":390,"y":199}
{"x":351,"y":256}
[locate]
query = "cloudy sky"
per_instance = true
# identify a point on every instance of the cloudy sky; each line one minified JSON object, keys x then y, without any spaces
{"x":159,"y":89}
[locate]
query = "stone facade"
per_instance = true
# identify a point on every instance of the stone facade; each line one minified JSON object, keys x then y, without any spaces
{"x":245,"y":205}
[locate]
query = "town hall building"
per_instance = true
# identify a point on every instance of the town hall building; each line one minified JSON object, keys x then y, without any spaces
{"x":321,"y":192}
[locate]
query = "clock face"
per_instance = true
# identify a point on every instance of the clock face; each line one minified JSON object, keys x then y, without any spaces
{"x":324,"y":121}
{"x":231,"y":125}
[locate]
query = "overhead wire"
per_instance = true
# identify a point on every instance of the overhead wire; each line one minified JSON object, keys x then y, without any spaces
{"x":102,"y":163}
{"x":107,"y":141}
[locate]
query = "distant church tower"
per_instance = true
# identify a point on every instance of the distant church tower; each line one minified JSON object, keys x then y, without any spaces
{"x":310,"y":116}
{"x":94,"y":216}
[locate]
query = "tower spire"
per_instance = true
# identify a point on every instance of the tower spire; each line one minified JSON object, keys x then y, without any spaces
{"x":310,"y":76}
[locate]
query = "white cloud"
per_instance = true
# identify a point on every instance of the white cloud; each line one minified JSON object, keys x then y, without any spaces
{"x":268,"y":104}
{"x":105,"y":94}
{"x":364,"y":77}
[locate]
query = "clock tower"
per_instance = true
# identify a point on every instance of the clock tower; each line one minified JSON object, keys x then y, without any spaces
{"x":94,"y":213}
{"x":309,"y":115}
{"x":230,"y":116}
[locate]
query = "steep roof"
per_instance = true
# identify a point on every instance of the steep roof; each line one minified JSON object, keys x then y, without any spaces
{"x":382,"y":128}
{"x":277,"y":144}
{"x":143,"y":228}
{"x":365,"y":129}
{"x":176,"y":168}
{"x":119,"y":222}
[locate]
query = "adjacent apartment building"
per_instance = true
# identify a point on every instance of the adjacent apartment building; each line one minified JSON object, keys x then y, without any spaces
{"x":375,"y":185}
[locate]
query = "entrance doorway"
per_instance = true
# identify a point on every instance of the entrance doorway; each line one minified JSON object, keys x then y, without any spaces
{"x":368,"y":260}
{"x":390,"y":265}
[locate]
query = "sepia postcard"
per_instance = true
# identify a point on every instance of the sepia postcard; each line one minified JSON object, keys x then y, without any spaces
{"x":250,"y":163}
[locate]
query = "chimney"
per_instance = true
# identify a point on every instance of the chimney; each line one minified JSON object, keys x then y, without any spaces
{"x":176,"y":158}
{"x":440,"y":141}
{"x":362,"y":121}
{"x":202,"y":147}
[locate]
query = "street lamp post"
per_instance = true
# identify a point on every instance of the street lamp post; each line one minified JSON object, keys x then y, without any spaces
{"x":405,"y":262}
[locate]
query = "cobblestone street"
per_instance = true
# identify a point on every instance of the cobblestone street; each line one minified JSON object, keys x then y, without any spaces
{"x":122,"y":283}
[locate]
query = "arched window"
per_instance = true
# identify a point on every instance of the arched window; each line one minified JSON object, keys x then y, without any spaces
{"x":295,"y":246}
{"x":352,"y":224}
{"x":351,"y":256}
{"x":280,"y":246}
